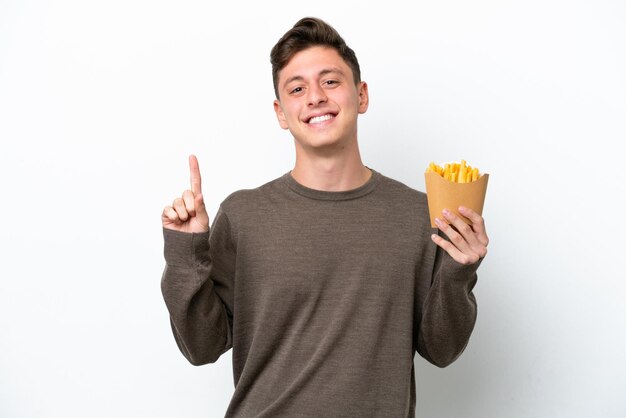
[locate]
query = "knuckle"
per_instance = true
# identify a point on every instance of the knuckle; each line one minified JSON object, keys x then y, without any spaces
{"x":465,"y":229}
{"x":469,"y":259}
{"x":456,"y":239}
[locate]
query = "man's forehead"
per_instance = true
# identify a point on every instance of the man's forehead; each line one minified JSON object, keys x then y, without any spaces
{"x":313,"y":62}
{"x":320,"y":73}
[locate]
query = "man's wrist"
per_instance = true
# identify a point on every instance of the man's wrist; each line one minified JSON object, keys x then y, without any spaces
{"x":185,"y":248}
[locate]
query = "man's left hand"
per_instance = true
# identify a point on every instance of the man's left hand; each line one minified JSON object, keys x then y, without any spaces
{"x":467,"y":243}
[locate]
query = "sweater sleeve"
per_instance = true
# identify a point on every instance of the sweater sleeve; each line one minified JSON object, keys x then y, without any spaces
{"x":448,"y":312}
{"x":197,"y":288}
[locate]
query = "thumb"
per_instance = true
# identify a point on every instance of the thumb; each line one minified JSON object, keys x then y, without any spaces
{"x":202,"y":217}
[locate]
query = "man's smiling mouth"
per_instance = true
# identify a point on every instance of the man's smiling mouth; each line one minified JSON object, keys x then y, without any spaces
{"x":320,"y":119}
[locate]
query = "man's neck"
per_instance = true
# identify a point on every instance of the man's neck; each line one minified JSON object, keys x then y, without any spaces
{"x":333,"y":173}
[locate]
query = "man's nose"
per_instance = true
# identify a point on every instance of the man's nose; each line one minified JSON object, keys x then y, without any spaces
{"x":316,"y":95}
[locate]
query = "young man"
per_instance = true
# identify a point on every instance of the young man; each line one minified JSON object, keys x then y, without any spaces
{"x":327,"y":280}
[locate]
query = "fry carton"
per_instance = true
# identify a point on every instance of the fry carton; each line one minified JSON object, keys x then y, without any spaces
{"x":445,"y":194}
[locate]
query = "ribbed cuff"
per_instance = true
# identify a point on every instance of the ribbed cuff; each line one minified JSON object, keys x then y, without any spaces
{"x":184,"y":248}
{"x":453,"y":269}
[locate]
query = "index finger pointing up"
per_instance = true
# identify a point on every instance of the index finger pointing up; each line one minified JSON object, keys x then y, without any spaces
{"x":194,"y":170}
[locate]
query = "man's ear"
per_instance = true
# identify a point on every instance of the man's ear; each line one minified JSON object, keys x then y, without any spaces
{"x":280,"y":115}
{"x":364,"y":98}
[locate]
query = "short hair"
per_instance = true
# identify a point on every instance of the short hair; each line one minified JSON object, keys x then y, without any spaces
{"x":306,"y":33}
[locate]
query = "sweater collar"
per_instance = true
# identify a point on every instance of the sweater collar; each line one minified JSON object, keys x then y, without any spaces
{"x":360,"y":191}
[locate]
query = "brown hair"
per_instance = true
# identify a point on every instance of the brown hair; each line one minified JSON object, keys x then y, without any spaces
{"x":306,"y":33}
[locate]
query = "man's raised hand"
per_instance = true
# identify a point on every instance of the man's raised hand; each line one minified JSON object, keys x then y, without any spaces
{"x":188,"y":213}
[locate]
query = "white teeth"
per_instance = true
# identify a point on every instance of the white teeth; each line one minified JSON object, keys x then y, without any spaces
{"x":318,"y":119}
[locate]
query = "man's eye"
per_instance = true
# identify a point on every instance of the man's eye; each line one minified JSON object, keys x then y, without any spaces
{"x":296,"y":90}
{"x":331,"y":82}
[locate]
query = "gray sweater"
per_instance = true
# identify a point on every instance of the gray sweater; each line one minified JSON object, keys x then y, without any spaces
{"x":324,"y":298}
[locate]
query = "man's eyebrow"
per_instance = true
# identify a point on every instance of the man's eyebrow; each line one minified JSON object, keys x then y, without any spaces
{"x":331,"y":70}
{"x":292,"y":79}
{"x":324,"y":72}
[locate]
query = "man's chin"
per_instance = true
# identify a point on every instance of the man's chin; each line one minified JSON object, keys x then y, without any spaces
{"x":320,"y":146}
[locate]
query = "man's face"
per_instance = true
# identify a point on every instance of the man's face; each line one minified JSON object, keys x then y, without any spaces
{"x":318,"y":100}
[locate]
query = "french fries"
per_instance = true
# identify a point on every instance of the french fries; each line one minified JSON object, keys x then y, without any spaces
{"x":455,"y":172}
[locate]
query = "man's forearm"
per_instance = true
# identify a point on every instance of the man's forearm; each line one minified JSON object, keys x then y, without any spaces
{"x":197,"y":314}
{"x":449,"y":313}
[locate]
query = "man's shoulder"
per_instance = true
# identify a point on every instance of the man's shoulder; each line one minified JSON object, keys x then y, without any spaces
{"x":251,"y":197}
{"x":404,"y":203}
{"x":399,"y":190}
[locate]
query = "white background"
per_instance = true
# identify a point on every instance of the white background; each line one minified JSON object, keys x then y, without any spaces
{"x":102,"y":102}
